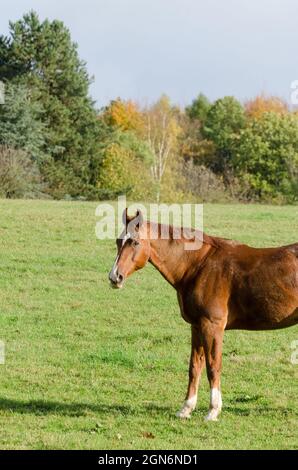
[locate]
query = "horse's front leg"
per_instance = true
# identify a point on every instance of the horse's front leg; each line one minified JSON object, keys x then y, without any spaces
{"x":212,"y":334}
{"x":196,"y":365}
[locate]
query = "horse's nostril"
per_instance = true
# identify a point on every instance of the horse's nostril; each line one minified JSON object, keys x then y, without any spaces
{"x":120,"y":278}
{"x":112,"y":278}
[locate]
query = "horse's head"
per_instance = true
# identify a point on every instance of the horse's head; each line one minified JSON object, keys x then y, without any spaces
{"x":133,"y":249}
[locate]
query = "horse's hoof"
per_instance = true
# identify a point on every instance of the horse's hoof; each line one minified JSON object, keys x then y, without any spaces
{"x":212,"y":415}
{"x":184,"y":414}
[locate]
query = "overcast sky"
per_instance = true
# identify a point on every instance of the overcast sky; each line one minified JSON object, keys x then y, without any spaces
{"x":141,"y":48}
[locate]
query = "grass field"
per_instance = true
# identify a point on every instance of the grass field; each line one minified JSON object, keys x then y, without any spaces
{"x":91,"y":367}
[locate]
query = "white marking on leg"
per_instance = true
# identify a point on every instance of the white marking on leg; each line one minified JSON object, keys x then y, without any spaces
{"x":188,"y":406}
{"x":215,"y":405}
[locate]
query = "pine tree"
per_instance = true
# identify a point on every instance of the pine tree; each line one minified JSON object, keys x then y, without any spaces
{"x":20,"y":123}
{"x":42,"y":56}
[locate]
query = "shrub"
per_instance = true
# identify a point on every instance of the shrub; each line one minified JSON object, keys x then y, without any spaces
{"x":202,"y":183}
{"x":19,"y":176}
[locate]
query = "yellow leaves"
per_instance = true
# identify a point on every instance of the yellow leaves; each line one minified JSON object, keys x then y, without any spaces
{"x":264,"y":104}
{"x":125,"y":115}
{"x":123,"y":173}
{"x":115,"y":168}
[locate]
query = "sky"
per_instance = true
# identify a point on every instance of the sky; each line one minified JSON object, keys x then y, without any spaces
{"x":140,"y":49}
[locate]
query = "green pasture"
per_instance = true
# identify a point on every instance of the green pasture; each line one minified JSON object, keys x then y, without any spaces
{"x":89,"y":367}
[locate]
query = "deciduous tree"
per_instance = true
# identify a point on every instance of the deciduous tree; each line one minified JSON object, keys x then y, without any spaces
{"x":266,"y":155}
{"x":124,"y":115}
{"x":224,"y":120}
{"x":162,"y":132}
{"x":261,"y":104}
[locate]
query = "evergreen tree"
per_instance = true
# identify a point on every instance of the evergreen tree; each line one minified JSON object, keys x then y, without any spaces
{"x":199,"y":108}
{"x":20,"y":122}
{"x":42,"y":56}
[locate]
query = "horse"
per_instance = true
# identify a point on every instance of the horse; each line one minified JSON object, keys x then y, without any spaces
{"x":221,"y":285}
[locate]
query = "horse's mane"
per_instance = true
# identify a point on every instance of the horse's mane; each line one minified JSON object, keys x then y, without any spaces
{"x":187,"y":234}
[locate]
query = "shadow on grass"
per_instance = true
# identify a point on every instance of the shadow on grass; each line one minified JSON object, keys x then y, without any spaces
{"x":45,"y":407}
{"x":41,"y":407}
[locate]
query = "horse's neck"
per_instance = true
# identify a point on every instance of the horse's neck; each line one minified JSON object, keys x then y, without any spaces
{"x":173,"y":261}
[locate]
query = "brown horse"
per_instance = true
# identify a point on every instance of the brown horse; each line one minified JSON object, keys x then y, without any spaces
{"x":222,"y":285}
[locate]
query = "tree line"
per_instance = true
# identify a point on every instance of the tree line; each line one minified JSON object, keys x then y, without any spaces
{"x":55,"y":143}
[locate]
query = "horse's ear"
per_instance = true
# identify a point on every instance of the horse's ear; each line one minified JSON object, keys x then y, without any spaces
{"x":139,"y":219}
{"x":133,"y":223}
{"x":126,"y":218}
{"x":135,"y":220}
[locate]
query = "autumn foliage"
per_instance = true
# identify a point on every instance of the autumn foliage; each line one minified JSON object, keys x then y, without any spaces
{"x":124,"y":115}
{"x":256,"y":107}
{"x":55,"y":143}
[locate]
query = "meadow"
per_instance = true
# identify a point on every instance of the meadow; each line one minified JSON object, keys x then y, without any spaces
{"x":89,"y":367}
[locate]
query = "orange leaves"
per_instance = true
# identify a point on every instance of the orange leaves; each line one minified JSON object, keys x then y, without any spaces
{"x":264,"y":104}
{"x":125,"y":115}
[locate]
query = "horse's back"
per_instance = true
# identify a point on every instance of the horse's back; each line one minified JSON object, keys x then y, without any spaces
{"x":293,"y":249}
{"x":265,"y":288}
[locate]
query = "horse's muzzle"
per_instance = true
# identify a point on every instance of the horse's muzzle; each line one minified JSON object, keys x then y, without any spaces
{"x":116,"y":280}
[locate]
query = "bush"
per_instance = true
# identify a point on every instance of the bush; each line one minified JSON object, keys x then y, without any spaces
{"x":19,"y":176}
{"x":202,"y":183}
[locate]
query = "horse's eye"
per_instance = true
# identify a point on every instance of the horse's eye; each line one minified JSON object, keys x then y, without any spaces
{"x":135,"y":243}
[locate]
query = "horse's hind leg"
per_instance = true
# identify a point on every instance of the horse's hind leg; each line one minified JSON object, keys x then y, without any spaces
{"x":212,"y":340}
{"x":196,"y":365}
